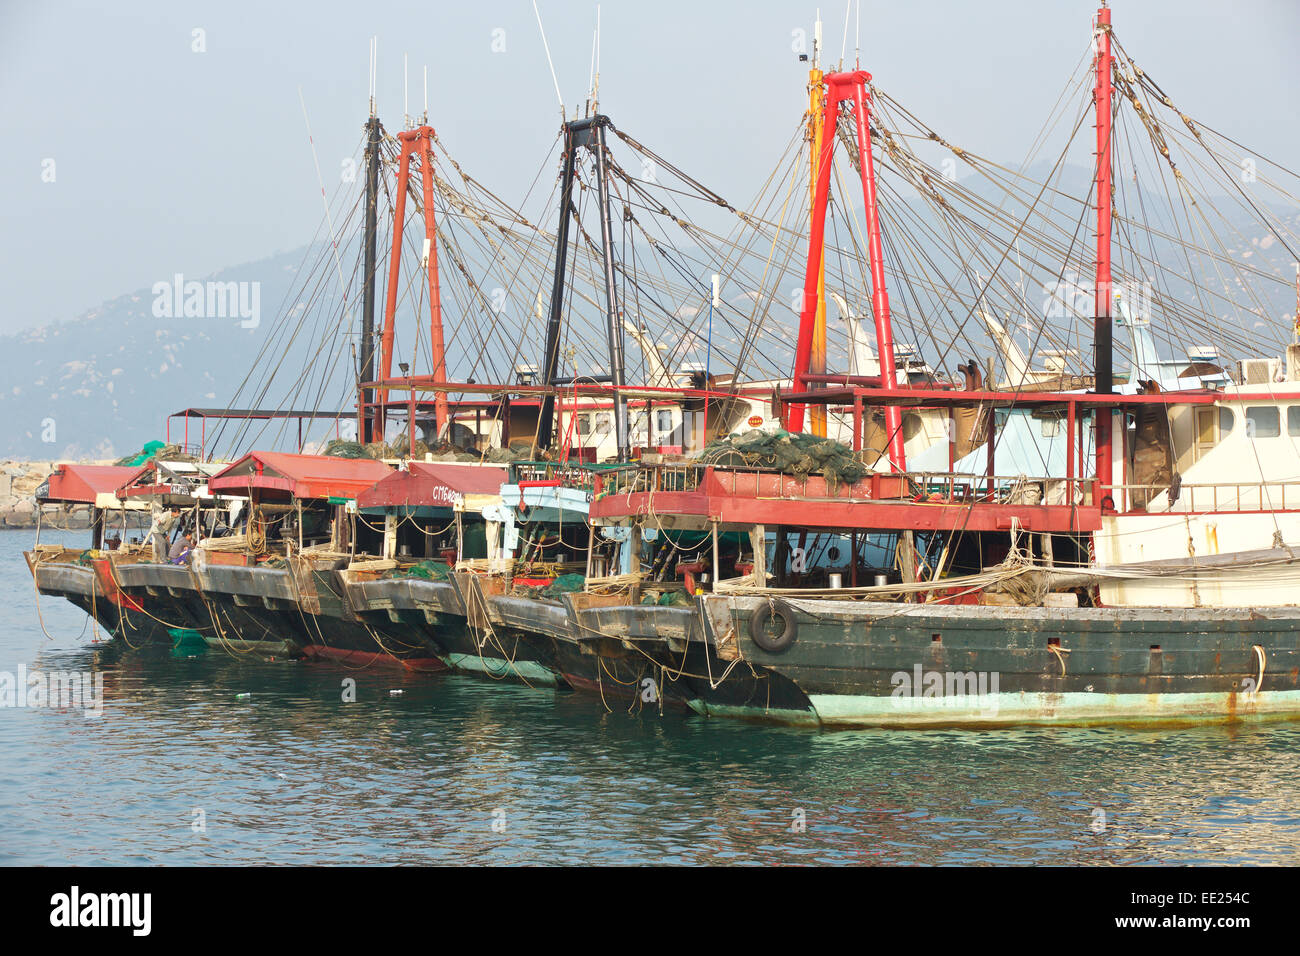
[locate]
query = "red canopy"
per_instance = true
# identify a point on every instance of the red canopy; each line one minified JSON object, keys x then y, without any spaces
{"x":80,"y":484}
{"x":298,"y":476}
{"x":433,"y":484}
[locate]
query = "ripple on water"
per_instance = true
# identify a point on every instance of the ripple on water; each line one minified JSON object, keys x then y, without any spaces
{"x":461,"y":770}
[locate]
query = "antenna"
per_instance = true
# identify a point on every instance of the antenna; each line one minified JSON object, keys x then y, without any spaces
{"x":546,"y":46}
{"x":817,"y":42}
{"x":857,"y":39}
{"x":406,"y":108}
{"x":844,"y":43}
{"x":595,"y":77}
{"x":424,"y":121}
{"x":591,"y":76}
{"x":374,"y":58}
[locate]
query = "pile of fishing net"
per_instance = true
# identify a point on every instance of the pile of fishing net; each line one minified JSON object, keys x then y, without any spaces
{"x":563,"y":584}
{"x":518,"y":451}
{"x":667,"y":599}
{"x":341,"y":448}
{"x":378,"y":450}
{"x":427,"y":570}
{"x":155,"y":449}
{"x":790,"y":453}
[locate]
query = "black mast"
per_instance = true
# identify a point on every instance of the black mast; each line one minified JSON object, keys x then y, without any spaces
{"x":368,"y":290}
{"x":551,"y":355}
{"x":589,"y":133}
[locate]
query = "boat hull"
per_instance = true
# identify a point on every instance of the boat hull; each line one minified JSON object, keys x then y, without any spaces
{"x":897,"y":665}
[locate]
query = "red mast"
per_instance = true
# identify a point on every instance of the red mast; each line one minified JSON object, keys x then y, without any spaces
{"x":419,"y":142}
{"x":1102,"y":328}
{"x":839,"y":87}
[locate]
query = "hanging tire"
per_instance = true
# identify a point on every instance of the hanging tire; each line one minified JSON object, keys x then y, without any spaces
{"x":776,"y":611}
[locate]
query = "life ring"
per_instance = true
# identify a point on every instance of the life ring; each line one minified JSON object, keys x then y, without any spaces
{"x":758,"y":633}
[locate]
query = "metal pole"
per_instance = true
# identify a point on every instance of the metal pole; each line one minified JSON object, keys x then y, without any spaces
{"x":394,"y":277}
{"x":816,"y":244}
{"x":613,"y":313}
{"x":1102,"y":335}
{"x":436,"y":347}
{"x":551,"y":355}
{"x":879,"y":294}
{"x":368,"y":287}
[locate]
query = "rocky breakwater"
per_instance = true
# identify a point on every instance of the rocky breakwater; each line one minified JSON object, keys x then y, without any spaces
{"x":18,"y":483}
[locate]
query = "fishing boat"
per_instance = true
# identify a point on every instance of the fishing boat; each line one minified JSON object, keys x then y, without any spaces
{"x":1145,"y":572}
{"x":937,"y":548}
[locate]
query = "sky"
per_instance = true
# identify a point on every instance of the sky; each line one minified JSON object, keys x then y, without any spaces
{"x":144,"y":139}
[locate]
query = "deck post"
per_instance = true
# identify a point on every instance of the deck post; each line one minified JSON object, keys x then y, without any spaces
{"x":716,"y":563}
{"x":758,"y":541}
{"x":907,"y":557}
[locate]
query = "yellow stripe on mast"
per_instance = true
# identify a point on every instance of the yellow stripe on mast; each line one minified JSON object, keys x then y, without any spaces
{"x":816,"y":104}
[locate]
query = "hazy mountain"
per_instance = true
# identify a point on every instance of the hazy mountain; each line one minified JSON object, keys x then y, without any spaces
{"x":103,"y":384}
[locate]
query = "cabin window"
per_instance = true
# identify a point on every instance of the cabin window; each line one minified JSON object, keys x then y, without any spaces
{"x":640,"y":421}
{"x":1226,"y":421}
{"x":1205,"y":435}
{"x":1293,"y":421}
{"x":664,"y":421}
{"x":1263,"y":421}
{"x":604,"y":423}
{"x":1050,"y":426}
{"x":584,"y":424}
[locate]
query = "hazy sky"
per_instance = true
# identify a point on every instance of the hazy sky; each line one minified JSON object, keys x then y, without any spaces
{"x":169,"y":160}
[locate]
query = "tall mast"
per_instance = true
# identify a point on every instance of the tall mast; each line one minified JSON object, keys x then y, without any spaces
{"x":613,"y":313}
{"x":839,"y":87}
{"x":588,"y":133}
{"x":551,"y":351}
{"x":365,"y":431}
{"x":416,"y":142}
{"x":1102,"y":329}
{"x":816,"y":93}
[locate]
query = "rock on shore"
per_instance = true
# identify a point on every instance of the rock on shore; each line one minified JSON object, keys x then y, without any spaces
{"x":18,"y":483}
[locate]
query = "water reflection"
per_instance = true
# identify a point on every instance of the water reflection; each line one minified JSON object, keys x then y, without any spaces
{"x":457,"y":769}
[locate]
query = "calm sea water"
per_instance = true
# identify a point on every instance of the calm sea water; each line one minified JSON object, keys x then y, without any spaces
{"x":461,"y":770}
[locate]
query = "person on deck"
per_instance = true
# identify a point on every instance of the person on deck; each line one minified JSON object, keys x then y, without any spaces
{"x":160,"y":528}
{"x":180,"y":552}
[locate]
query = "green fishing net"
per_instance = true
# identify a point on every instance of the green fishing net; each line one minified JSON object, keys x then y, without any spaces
{"x":794,"y":454}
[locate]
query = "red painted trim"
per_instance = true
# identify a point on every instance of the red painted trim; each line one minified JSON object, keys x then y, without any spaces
{"x":107,"y":581}
{"x":423,"y":665}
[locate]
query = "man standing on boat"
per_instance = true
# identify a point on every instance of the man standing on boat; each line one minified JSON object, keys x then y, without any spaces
{"x":160,"y":528}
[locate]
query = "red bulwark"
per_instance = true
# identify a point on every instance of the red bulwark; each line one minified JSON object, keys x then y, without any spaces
{"x":430,"y":484}
{"x":80,"y":484}
{"x":877,"y":503}
{"x":280,"y":474}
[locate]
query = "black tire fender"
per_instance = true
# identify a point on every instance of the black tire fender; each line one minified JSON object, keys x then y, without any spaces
{"x":773,"y":609}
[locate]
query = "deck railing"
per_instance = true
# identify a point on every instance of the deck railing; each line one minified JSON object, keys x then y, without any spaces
{"x":569,"y":474}
{"x":931,"y":487}
{"x":1246,"y":496}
